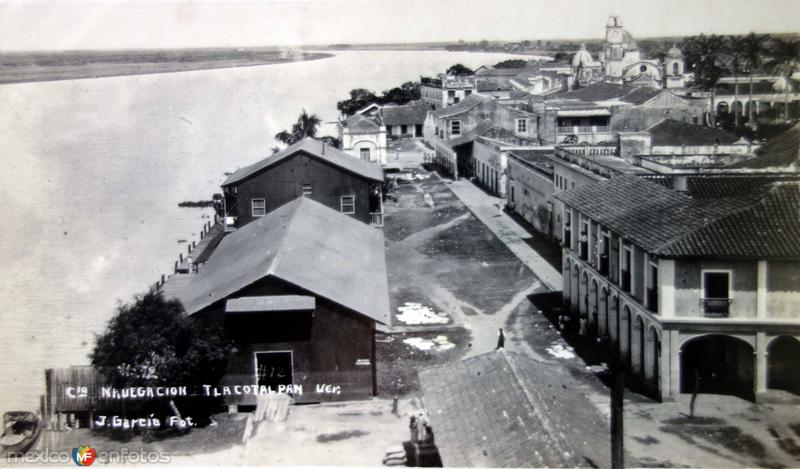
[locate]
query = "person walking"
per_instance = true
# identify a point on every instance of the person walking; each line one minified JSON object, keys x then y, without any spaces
{"x":501,"y":339}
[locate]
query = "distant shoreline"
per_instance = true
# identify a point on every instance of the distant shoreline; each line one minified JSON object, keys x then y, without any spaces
{"x":83,"y":67}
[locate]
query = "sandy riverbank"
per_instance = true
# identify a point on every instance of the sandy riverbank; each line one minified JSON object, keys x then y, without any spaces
{"x":37,"y":66}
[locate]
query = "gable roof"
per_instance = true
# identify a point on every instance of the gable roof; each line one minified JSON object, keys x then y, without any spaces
{"x":360,"y":123}
{"x":761,"y":223}
{"x":462,"y":106}
{"x":314,"y":148}
{"x":675,"y":133}
{"x":601,"y":91}
{"x":410,"y":114}
{"x":783,"y":150}
{"x":501,"y":409}
{"x":295,"y":243}
{"x":642,"y":94}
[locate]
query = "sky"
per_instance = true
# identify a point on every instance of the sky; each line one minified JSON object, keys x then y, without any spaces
{"x":70,"y":24}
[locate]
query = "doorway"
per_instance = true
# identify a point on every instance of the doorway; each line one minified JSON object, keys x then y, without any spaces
{"x":274,"y":369}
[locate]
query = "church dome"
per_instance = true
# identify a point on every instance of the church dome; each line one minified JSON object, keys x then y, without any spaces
{"x":674,"y":52}
{"x":582,"y":57}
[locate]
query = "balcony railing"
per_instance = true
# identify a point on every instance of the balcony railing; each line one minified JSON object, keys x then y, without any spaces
{"x":716,"y":307}
{"x":652,"y":299}
{"x":583,"y":129}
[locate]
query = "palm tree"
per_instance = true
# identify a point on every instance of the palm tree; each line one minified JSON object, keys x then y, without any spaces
{"x":752,"y":52}
{"x":306,"y":126}
{"x":783,"y":61}
{"x":734,"y":50}
{"x":703,"y":55}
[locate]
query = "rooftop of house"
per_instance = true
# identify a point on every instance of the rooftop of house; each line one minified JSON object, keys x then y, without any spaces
{"x":316,"y":149}
{"x":779,"y":152}
{"x":462,"y":106}
{"x":763,"y":222}
{"x":295,"y":244}
{"x":502,"y":409}
{"x":494,"y":84}
{"x":669,"y":132}
{"x":601,"y":91}
{"x":409,"y":114}
{"x":360,"y":123}
{"x":641,"y":95}
{"x":537,"y":159}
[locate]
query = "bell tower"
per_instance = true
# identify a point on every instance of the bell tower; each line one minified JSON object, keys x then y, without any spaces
{"x":614,"y":48}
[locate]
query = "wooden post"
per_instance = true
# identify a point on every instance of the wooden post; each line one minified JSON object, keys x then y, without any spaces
{"x":180,"y":257}
{"x":176,"y":267}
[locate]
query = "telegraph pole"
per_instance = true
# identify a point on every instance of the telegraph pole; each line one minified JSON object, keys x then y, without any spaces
{"x":617,"y":368}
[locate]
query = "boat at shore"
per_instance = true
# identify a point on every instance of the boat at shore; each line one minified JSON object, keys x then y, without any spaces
{"x":21,"y":429}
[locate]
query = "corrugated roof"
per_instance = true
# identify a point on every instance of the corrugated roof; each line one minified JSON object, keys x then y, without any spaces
{"x":779,"y":152}
{"x":405,"y":115}
{"x":306,"y":244}
{"x":671,"y":132}
{"x":462,"y":106}
{"x":256,"y":304}
{"x":761,"y":223}
{"x":501,"y":409}
{"x":317,"y":149}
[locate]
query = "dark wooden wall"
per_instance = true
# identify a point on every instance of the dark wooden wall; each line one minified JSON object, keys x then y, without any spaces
{"x":283,"y":183}
{"x":326,"y":355}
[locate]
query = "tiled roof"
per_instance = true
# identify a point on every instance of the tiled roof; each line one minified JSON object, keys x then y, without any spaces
{"x":501,"y":409}
{"x":769,"y":228}
{"x":294,"y":243}
{"x":781,"y":151}
{"x":360,"y":123}
{"x":494,"y":84}
{"x":317,"y":149}
{"x":641,"y":95}
{"x":671,"y":132}
{"x":462,"y":106}
{"x":405,"y":115}
{"x":709,"y":187}
{"x":601,"y":91}
{"x":533,"y":156}
{"x":764,"y":222}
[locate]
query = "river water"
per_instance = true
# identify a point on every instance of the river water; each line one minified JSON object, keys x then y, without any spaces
{"x":93,"y":171}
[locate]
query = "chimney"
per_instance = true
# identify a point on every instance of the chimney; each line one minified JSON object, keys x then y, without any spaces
{"x":680,"y":182}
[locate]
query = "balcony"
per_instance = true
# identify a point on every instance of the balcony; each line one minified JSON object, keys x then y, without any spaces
{"x":716,"y":307}
{"x":652,"y":299}
{"x":602,"y":266}
{"x":583,"y":129}
{"x":625,"y":281}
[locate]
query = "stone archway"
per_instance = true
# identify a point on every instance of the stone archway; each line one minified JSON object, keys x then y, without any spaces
{"x":718,"y":364}
{"x":583,"y":302}
{"x":593,"y":302}
{"x":638,"y":346}
{"x":625,"y":335}
{"x":602,"y":308}
{"x":566,"y":275}
{"x":574,"y":294}
{"x":783,"y":364}
{"x":613,"y":316}
{"x":652,"y":362}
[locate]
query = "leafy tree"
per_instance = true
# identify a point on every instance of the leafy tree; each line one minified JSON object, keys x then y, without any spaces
{"x":359,"y":98}
{"x":754,"y":47}
{"x":734,"y":50}
{"x":152,"y":342}
{"x":784,"y":60}
{"x":513,"y":63}
{"x":484,"y":44}
{"x":460,"y":71}
{"x":405,"y":93}
{"x":703,"y":56}
{"x":332,"y":141}
{"x":307,"y":125}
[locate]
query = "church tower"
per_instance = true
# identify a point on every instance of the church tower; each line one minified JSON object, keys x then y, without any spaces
{"x":614,"y":48}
